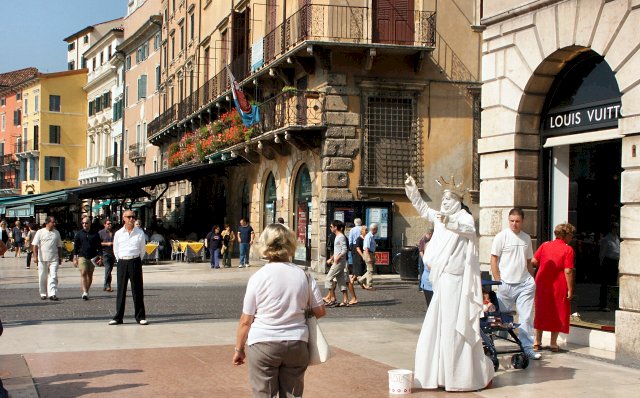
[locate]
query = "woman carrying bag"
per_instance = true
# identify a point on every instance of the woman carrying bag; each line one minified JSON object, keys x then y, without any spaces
{"x":272,"y":324}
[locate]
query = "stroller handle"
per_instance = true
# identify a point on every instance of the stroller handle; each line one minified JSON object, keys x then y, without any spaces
{"x":486,"y":282}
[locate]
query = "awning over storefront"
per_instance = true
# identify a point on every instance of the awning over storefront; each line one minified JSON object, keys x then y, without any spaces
{"x":25,"y":210}
{"x":129,"y":188}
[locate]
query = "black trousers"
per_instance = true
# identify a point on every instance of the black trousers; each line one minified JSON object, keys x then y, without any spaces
{"x":130,"y":270}
{"x":107,"y":261}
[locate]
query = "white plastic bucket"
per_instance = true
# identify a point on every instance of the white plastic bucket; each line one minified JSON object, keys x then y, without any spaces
{"x":400,"y":381}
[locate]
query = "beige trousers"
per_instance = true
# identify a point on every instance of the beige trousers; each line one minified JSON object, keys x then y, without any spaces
{"x":277,"y":367}
{"x":368,"y":276}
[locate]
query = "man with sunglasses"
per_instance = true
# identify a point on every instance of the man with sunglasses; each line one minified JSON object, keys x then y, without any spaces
{"x":128,"y":249}
{"x":47,"y":252}
{"x":86,"y":247}
{"x":108,"y":259}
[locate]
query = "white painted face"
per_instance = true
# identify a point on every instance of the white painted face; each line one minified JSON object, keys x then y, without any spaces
{"x":449,"y":200}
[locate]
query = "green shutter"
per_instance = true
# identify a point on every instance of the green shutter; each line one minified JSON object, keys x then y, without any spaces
{"x":47,"y":166}
{"x":61,"y":176}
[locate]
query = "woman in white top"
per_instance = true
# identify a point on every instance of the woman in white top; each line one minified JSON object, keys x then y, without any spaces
{"x":272,"y":323}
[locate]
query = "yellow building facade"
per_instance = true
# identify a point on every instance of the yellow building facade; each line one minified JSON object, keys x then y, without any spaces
{"x":52,"y":146}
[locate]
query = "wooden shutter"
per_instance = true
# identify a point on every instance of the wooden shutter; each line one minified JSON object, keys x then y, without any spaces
{"x":32,"y":168}
{"x":61,"y":175}
{"x":393,"y":21}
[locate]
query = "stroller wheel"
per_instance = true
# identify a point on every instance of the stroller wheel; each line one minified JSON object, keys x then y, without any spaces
{"x":519,"y":361}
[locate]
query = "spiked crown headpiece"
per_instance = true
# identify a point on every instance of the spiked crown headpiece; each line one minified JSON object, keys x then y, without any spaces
{"x":458,"y":189}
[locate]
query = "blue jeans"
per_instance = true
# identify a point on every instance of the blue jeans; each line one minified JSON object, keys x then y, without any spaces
{"x":521,"y":295}
{"x":215,"y":258}
{"x":244,"y":253}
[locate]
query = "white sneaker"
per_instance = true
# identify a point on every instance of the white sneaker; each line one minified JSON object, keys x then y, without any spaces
{"x":532,"y":354}
{"x":114,"y":322}
{"x":143,"y":322}
{"x":240,"y":266}
{"x":247,"y":265}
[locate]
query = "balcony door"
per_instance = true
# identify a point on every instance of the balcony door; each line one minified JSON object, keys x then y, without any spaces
{"x":393,"y":22}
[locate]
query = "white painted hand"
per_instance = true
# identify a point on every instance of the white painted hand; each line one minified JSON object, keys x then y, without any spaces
{"x":410,"y":182}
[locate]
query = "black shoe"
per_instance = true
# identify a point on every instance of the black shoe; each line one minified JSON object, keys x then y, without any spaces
{"x":54,"y":298}
{"x":85,"y":296}
{"x":43,"y":297}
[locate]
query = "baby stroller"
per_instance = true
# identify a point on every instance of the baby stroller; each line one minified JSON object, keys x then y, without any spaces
{"x":497,"y":325}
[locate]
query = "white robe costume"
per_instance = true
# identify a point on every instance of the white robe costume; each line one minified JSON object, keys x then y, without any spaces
{"x":449,"y":352}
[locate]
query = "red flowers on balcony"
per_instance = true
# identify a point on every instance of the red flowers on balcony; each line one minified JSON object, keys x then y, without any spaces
{"x":222,"y":133}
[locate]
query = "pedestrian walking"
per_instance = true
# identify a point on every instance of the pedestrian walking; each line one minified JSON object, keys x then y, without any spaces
{"x":228,"y":238}
{"x":86,"y":249}
{"x":128,"y":249}
{"x":511,"y":254}
{"x":214,"y":243}
{"x":47,"y":254}
{"x":28,"y":242}
{"x":108,"y":258}
{"x":554,"y":286}
{"x":424,"y":270}
{"x":272,"y":323}
{"x":245,"y":238}
{"x":18,"y":238}
{"x":369,"y":256}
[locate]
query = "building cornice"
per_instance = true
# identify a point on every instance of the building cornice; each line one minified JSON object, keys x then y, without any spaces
{"x":146,"y":31}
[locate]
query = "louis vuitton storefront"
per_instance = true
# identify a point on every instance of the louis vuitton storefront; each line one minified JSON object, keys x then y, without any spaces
{"x":560,"y":128}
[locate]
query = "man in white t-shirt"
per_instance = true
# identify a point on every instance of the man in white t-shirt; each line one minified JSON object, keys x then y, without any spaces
{"x":511,"y":255}
{"x":47,"y":254}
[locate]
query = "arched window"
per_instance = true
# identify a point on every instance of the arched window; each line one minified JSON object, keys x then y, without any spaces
{"x":302,"y":219}
{"x":270,"y":200}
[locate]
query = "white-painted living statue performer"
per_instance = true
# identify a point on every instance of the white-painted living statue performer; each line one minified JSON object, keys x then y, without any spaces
{"x":449,"y":352}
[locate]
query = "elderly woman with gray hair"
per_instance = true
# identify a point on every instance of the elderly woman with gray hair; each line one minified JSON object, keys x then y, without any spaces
{"x":272,"y":323}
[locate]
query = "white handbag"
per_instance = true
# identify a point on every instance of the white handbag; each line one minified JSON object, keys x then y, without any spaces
{"x":319,"y":351}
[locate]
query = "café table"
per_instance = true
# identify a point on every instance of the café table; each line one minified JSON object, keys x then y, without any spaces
{"x":192,"y":250}
{"x":151,"y":252}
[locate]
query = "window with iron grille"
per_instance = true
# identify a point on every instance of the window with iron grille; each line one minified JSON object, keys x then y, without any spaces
{"x":392,"y":145}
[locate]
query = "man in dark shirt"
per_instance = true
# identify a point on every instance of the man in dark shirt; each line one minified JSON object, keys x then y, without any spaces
{"x":245,"y":238}
{"x":86,"y":246}
{"x":108,"y":259}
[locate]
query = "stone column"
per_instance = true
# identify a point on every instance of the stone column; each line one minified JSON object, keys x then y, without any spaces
{"x":628,"y":316}
{"x":340,"y":146}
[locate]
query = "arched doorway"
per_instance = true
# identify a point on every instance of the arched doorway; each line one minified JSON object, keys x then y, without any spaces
{"x":302,"y":217}
{"x":270,"y":201}
{"x":581,"y":168}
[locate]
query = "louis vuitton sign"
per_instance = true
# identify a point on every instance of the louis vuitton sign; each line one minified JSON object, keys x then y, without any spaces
{"x":586,"y":117}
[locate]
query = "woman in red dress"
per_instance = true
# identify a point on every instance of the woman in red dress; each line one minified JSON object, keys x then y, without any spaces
{"x":554,"y":286}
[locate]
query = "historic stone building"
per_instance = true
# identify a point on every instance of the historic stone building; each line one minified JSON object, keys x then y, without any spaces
{"x":351,"y":96}
{"x":560,"y":131}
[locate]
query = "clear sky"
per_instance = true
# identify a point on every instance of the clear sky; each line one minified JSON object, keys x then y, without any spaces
{"x":32,"y":31}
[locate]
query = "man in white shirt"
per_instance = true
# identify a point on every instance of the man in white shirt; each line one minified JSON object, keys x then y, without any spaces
{"x":511,"y":255}
{"x":128,"y":249}
{"x":47,"y":252}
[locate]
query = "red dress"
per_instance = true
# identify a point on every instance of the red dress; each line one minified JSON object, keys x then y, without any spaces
{"x":552,"y":306}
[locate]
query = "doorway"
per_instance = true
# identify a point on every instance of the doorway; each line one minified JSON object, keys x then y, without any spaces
{"x":584,"y":190}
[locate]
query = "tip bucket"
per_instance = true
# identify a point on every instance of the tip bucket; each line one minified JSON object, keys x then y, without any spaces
{"x":400,"y":381}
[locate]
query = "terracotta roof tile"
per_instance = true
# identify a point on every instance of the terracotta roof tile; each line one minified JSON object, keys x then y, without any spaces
{"x":13,"y":78}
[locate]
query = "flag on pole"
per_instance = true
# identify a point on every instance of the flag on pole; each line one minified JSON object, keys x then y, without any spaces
{"x":250,"y":114}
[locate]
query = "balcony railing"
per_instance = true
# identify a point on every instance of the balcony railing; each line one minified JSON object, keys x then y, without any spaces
{"x":313,"y":22}
{"x":138,"y":151}
{"x":27,"y":146}
{"x":292,"y":108}
{"x":8,"y":162}
{"x":111,"y":162}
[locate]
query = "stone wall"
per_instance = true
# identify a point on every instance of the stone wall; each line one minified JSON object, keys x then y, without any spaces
{"x":521,"y":56}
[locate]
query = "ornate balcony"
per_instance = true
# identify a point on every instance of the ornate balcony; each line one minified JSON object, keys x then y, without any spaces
{"x":8,"y":162}
{"x":111,"y":163}
{"x":313,"y":25}
{"x":138,"y":152}
{"x":94,"y":174}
